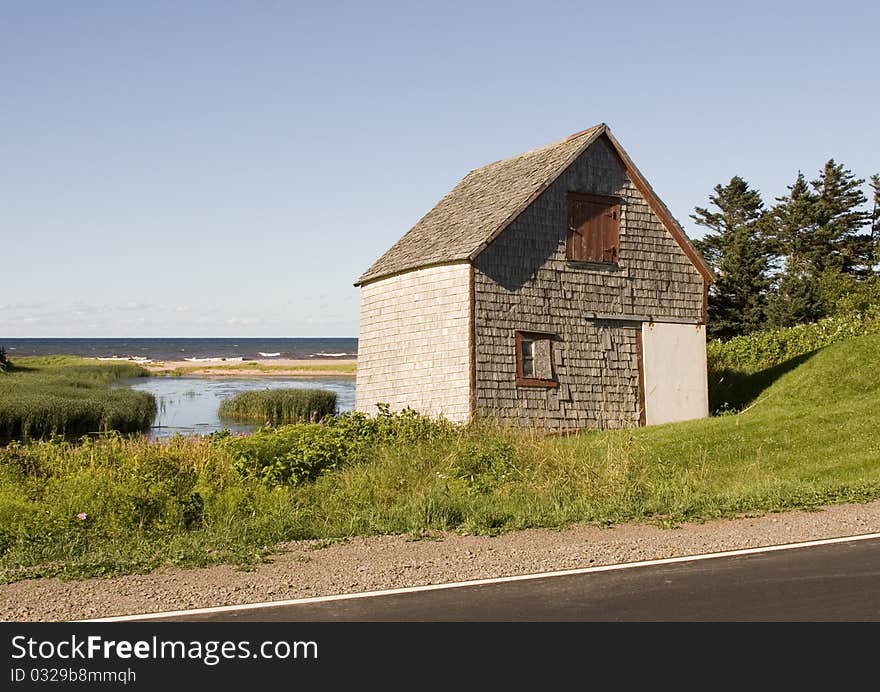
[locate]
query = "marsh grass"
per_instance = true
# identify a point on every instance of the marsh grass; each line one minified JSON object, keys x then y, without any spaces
{"x":279,"y":406}
{"x":810,"y":438}
{"x":65,"y":395}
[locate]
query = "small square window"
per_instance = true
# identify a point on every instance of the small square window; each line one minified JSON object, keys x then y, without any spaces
{"x":593,"y":228}
{"x":535,"y":363}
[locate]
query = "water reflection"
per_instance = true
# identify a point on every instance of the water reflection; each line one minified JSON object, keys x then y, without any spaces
{"x":190,"y":405}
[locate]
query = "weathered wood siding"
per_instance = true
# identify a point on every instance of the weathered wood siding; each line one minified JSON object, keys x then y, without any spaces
{"x":522,"y":281}
{"x":414,"y":342}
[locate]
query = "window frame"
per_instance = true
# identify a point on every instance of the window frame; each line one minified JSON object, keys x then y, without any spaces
{"x":523,"y":381}
{"x":613,"y":202}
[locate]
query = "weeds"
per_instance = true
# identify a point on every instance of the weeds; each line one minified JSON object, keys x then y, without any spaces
{"x":114,"y":505}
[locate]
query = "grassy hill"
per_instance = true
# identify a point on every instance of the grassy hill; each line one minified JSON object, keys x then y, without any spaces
{"x":810,"y":436}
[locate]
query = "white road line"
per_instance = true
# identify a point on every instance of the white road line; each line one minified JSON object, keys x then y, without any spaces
{"x":481,"y":582}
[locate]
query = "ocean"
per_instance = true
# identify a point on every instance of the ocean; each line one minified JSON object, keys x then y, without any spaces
{"x":173,"y":348}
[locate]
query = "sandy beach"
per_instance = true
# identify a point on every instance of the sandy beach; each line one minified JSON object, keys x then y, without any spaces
{"x":275,"y":367}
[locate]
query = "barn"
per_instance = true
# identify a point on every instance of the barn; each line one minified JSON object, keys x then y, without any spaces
{"x":552,"y":289}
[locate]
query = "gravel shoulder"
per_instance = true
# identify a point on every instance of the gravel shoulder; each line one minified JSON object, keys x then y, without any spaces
{"x":313,"y":568}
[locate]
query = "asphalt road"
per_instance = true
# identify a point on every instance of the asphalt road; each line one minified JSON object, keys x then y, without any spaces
{"x":823,"y":583}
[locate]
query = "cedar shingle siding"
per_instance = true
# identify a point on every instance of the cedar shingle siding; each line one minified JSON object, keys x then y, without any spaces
{"x":510,"y":222}
{"x":524,"y":282}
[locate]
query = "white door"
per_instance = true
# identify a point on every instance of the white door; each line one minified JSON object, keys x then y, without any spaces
{"x":674,"y":372}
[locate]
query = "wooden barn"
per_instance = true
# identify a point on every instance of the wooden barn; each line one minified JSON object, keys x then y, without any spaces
{"x":552,"y":289}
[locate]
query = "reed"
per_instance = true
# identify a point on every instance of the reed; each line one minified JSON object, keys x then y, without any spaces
{"x":64,"y":395}
{"x":279,"y":406}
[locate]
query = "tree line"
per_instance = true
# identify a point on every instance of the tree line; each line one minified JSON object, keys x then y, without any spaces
{"x":813,"y":253}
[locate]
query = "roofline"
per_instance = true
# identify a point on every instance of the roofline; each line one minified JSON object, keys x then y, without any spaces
{"x":635,"y":175}
{"x":430,"y":265}
{"x":599,"y":130}
{"x":654,"y":202}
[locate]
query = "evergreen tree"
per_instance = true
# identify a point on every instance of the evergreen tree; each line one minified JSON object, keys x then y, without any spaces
{"x":815,"y":234}
{"x":791,"y":223}
{"x":791,"y":227}
{"x":796,"y":297}
{"x":836,"y":241}
{"x":875,"y":224}
{"x":735,"y":248}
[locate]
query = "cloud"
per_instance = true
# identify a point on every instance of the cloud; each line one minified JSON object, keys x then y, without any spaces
{"x":41,"y":305}
{"x":134,"y":305}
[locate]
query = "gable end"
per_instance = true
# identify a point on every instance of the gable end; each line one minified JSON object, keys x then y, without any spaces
{"x":654,"y":202}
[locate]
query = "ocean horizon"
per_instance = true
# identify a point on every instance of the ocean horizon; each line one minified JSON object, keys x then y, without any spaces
{"x":180,"y":348}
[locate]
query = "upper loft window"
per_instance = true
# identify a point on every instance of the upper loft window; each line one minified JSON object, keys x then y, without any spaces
{"x":593,"y":228}
{"x":535,"y":362}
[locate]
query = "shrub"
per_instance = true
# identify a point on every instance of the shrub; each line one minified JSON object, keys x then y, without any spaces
{"x":4,"y":360}
{"x":294,"y":454}
{"x":279,"y":406}
{"x":766,"y":349}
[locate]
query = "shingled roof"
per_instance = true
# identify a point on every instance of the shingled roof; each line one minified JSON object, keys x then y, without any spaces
{"x":489,"y":198}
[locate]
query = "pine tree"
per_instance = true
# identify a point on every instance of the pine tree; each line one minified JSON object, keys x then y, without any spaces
{"x":796,"y":298}
{"x":735,"y":248}
{"x":836,"y":241}
{"x":815,"y":234}
{"x":791,"y":223}
{"x":875,"y":225}
{"x":791,"y":227}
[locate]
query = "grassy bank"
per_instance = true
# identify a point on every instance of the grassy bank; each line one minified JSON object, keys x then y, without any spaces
{"x":810,"y":436}
{"x":744,"y":365}
{"x":65,"y":395}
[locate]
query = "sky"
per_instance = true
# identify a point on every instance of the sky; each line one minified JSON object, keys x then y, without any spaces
{"x":230,"y":168}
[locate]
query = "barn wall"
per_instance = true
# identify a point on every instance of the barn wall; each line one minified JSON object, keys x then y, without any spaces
{"x":524,"y":282}
{"x":414,"y":342}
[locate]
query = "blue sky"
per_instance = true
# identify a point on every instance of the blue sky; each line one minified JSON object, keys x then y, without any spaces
{"x":230,"y":168}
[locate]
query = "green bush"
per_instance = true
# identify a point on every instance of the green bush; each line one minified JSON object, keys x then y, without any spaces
{"x":766,"y":349}
{"x":843,"y":294}
{"x":279,"y":406}
{"x":294,"y":454}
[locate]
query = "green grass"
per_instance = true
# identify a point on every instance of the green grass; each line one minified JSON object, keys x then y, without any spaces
{"x":65,"y":395}
{"x":279,"y":406}
{"x":743,"y":366}
{"x":810,"y":436}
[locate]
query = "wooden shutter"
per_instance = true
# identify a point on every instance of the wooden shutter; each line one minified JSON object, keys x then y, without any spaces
{"x":593,"y":228}
{"x":543,"y":363}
